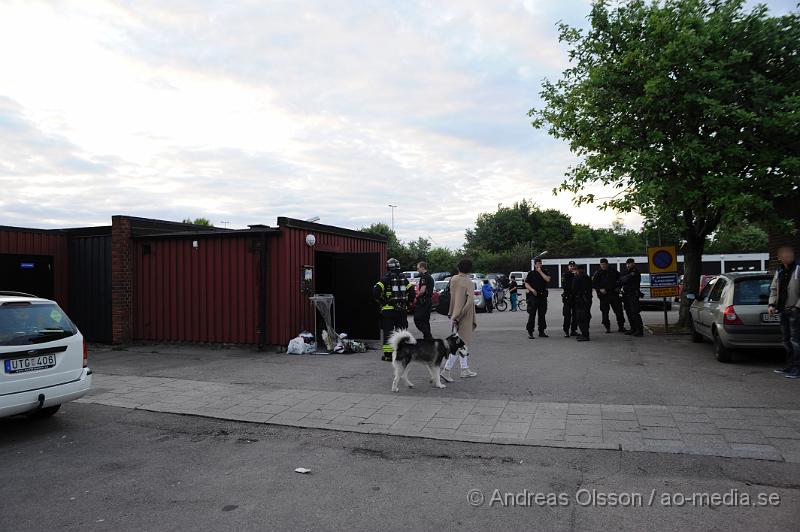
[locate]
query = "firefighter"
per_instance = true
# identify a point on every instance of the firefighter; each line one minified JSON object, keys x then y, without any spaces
{"x":394,"y":293}
{"x":582,"y":294}
{"x":605,"y":282}
{"x":631,"y":292}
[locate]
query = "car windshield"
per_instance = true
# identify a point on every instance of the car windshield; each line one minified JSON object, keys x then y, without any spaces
{"x":33,"y":323}
{"x":752,"y":291}
{"x":440,"y":285}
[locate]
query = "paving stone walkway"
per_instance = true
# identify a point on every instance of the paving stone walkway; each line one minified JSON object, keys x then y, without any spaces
{"x":760,"y":433}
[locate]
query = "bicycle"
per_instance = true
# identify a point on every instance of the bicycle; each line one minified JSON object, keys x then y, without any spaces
{"x":502,"y":304}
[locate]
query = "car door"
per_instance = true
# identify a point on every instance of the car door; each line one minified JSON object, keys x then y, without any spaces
{"x":713,"y":309}
{"x":700,"y":307}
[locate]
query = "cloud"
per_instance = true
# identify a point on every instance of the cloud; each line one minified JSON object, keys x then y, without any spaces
{"x":245,"y":111}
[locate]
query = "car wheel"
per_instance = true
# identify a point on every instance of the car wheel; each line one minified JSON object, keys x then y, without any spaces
{"x":723,"y":353}
{"x":44,"y":412}
{"x":696,"y":336}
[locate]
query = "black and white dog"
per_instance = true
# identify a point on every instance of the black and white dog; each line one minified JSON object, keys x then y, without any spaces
{"x":407,"y":349}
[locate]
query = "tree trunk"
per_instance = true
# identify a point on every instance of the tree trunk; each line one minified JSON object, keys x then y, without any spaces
{"x":692,"y":270}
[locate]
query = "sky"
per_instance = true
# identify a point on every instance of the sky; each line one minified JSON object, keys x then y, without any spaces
{"x":243,"y":111}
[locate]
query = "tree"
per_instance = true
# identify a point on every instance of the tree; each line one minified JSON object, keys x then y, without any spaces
{"x":394,"y":247}
{"x":442,"y":260}
{"x":738,"y":238}
{"x":198,"y":221}
{"x":418,"y":249}
{"x":687,"y":109}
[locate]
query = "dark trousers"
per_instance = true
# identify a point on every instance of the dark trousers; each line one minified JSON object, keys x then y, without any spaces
{"x":583,"y":310}
{"x":488,"y":305}
{"x":631,"y":302}
{"x":422,"y":319}
{"x":790,"y":327}
{"x":391,"y":320}
{"x":570,"y":316}
{"x":537,"y":305}
{"x":611,"y":302}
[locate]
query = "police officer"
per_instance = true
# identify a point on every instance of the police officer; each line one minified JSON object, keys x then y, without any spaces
{"x":394,"y":293}
{"x":422,"y":310}
{"x":630,"y":282}
{"x":605,"y":282}
{"x":536,"y":286}
{"x":582,"y":293}
{"x":568,"y":301}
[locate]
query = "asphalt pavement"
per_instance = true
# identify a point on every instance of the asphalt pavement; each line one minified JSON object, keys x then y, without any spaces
{"x":611,"y":369}
{"x":103,"y":468}
{"x":98,"y":467}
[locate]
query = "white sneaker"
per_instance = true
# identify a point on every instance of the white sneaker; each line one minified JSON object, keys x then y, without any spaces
{"x":445,"y":375}
{"x":466,"y":372}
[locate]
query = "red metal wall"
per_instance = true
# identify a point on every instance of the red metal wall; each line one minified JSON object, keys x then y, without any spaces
{"x":289,"y":311}
{"x":203,"y":294}
{"x":39,"y":242}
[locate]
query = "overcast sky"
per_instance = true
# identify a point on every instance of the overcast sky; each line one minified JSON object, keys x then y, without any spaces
{"x":243,"y":111}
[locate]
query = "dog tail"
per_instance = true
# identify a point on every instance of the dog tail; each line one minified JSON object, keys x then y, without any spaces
{"x":401,"y":337}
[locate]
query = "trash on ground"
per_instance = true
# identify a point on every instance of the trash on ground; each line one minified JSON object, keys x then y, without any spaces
{"x":302,"y":470}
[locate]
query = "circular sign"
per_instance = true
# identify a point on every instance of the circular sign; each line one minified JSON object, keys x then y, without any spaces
{"x":662,"y":259}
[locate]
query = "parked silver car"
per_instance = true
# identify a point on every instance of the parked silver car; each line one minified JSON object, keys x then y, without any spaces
{"x":731,"y":311}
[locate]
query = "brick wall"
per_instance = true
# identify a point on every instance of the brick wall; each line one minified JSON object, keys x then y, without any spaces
{"x":121,"y":279}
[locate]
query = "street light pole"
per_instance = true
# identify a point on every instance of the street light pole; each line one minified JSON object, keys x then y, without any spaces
{"x":393,"y":207}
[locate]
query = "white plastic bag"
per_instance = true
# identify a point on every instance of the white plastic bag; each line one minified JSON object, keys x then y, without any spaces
{"x":297,"y":346}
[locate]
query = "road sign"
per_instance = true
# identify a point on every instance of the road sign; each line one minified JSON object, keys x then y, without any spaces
{"x":663,"y":280}
{"x":667,"y":291}
{"x":662,"y":259}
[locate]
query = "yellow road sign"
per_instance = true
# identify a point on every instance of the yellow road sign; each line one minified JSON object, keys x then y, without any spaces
{"x":671,"y":291}
{"x":662,"y":259}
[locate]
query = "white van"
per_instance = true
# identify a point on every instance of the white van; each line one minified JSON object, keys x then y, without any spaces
{"x":43,"y":357}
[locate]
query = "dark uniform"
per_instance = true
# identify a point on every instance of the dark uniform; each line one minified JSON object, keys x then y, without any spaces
{"x":422,"y":311}
{"x":582,"y":292}
{"x":536,"y":304}
{"x":631,"y":292}
{"x":394,"y":293}
{"x":568,"y":301}
{"x":608,"y":280}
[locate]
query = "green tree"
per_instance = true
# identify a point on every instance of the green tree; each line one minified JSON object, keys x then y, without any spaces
{"x":687,"y":109}
{"x":418,"y":249}
{"x":394,"y":247}
{"x":198,"y":221}
{"x":738,"y":238}
{"x":441,"y":260}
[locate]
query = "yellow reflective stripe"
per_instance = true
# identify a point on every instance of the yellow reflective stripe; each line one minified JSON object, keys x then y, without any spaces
{"x":387,"y":307}
{"x":381,"y":284}
{"x":387,"y":348}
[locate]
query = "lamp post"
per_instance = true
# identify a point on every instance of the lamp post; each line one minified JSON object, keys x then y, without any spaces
{"x":393,"y":207}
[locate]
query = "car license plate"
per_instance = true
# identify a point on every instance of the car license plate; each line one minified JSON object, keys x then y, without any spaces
{"x":766,"y":318}
{"x":22,"y":365}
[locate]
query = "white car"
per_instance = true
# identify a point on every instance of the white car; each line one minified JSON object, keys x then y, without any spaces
{"x":43,"y":357}
{"x":518,"y":277}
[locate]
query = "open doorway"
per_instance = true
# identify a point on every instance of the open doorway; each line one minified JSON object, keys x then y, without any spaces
{"x":32,"y":274}
{"x":350,"y":277}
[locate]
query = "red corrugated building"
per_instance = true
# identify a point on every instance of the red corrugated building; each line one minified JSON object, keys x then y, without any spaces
{"x":142,"y":279}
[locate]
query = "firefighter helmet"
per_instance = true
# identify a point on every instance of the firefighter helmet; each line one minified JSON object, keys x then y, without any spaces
{"x":393,"y":264}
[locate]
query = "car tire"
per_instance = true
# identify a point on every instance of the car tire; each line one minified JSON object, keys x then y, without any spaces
{"x":44,"y":412}
{"x":722,"y":353}
{"x":696,"y":336}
